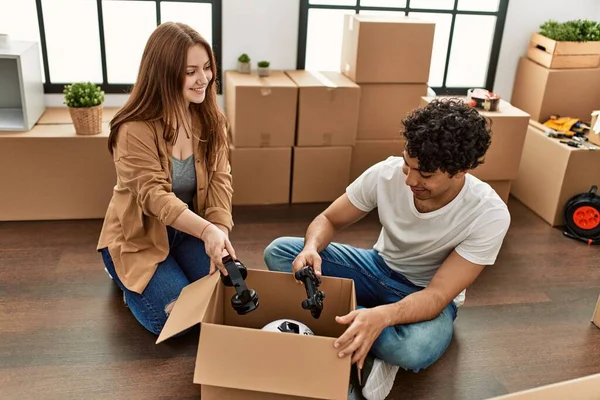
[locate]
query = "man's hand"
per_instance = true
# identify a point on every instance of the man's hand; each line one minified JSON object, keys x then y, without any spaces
{"x":365,"y":326}
{"x":307,"y":257}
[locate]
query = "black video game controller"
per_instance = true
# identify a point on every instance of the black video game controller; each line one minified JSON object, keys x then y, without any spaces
{"x":314,"y":297}
{"x":245,"y":300}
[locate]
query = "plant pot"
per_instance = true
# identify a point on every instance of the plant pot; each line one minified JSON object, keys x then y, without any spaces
{"x":87,"y":120}
{"x":244,"y":67}
{"x":263,"y":71}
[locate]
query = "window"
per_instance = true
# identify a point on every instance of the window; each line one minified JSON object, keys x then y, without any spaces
{"x":466,"y":45}
{"x":103,"y":40}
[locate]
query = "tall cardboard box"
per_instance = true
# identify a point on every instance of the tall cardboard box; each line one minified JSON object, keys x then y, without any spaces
{"x":509,"y":128}
{"x":237,"y":360}
{"x":551,"y":173}
{"x":543,"y":92}
{"x":261,"y":111}
{"x":383,"y":106}
{"x":386,"y":49}
{"x":261,"y":175}
{"x":320,"y":174}
{"x":328,"y":104}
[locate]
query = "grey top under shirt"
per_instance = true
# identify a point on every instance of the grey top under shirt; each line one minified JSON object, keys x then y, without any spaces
{"x":184,"y":178}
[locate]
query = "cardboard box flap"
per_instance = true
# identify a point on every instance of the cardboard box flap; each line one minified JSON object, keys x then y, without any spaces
{"x":275,"y":79}
{"x":234,"y":357}
{"x":596,"y":316}
{"x":390,"y":19}
{"x":191,"y":306}
{"x":328,"y":79}
{"x":585,"y":388}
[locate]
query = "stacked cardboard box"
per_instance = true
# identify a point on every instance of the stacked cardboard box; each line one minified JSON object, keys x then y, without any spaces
{"x":262,"y":116}
{"x":501,"y":164}
{"x":389,"y":58}
{"x":327,"y":119}
{"x":558,"y":78}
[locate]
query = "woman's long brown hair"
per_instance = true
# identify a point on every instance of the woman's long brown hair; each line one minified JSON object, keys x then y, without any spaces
{"x":158,"y":91}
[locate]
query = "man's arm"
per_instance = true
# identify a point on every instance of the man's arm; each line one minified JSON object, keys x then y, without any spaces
{"x":453,"y":276}
{"x":339,"y":215}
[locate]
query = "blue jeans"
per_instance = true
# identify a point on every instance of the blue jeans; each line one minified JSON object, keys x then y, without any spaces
{"x":412,"y":346}
{"x":187,"y":262}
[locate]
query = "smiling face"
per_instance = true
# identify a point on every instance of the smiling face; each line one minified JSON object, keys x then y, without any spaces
{"x":430,"y":186}
{"x":198,"y":74}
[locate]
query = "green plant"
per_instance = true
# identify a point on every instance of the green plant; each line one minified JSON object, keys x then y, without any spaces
{"x":571,"y":31}
{"x":244,"y":58}
{"x":264,"y":64}
{"x":83,"y":94}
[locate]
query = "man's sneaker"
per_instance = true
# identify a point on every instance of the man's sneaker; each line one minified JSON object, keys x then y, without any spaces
{"x":376,"y":380}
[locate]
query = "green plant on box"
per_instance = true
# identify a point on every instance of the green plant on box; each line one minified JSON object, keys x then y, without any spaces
{"x":264,"y":64}
{"x":244,"y":58}
{"x":571,"y":31}
{"x":83,"y":95}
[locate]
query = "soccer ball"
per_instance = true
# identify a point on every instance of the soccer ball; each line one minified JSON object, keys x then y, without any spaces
{"x":288,"y":326}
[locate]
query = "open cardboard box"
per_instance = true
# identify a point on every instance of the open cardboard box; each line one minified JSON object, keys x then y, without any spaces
{"x":238,"y":360}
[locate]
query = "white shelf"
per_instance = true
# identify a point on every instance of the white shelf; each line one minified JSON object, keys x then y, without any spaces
{"x":21,"y":87}
{"x":11,"y":119}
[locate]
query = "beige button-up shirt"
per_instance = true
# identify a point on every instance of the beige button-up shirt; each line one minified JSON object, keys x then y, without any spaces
{"x":143,"y":203}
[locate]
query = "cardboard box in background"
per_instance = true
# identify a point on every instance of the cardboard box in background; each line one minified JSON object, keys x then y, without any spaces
{"x":543,"y":92}
{"x":237,"y":360}
{"x":367,"y":153}
{"x":386,"y":49}
{"x":502,"y":188}
{"x":328,"y":104}
{"x":261,"y":175}
{"x":320,"y":174}
{"x":585,"y":388}
{"x":383,"y":106}
{"x":509,"y":128}
{"x":551,"y":173}
{"x":261,"y":111}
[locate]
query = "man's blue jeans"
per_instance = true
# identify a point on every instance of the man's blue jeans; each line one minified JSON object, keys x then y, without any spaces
{"x":186,"y":263}
{"x":413,"y":346}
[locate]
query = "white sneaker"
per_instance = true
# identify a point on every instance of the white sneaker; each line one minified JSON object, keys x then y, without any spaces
{"x":378,"y":378}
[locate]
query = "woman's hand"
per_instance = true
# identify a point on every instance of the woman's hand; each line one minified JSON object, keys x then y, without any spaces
{"x":216,"y":245}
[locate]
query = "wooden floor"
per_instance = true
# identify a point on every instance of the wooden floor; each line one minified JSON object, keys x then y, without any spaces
{"x":65,"y":334}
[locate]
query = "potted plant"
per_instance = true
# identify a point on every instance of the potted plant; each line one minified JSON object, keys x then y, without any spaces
{"x":570,"y":44}
{"x":244,"y":66}
{"x":263,"y":68}
{"x":84,"y":100}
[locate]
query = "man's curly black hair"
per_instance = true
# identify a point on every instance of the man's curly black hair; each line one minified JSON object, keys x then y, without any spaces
{"x":448,"y":135}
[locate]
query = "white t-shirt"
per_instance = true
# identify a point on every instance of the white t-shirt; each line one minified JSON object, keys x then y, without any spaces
{"x":415,"y":244}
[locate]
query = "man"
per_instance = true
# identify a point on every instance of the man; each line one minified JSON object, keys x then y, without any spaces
{"x":440,"y":227}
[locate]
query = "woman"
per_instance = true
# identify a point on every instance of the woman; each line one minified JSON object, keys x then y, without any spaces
{"x":168,"y":221}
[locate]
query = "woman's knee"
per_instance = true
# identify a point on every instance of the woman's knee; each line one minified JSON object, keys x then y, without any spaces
{"x":281,"y":252}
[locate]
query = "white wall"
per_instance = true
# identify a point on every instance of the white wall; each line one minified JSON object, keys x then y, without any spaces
{"x":524,"y":17}
{"x":247,"y":28}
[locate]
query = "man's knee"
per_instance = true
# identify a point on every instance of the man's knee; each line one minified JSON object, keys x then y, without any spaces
{"x":280,"y":254}
{"x":417,"y":351}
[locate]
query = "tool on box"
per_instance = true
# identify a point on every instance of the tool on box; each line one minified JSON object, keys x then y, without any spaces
{"x":582,"y":217}
{"x":245,"y":300}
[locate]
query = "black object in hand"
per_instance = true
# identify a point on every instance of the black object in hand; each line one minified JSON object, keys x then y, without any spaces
{"x":314,"y":297}
{"x":245,"y":300}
